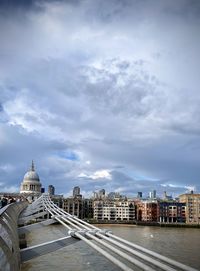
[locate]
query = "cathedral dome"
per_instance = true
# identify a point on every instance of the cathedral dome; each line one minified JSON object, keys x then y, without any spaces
{"x":31,"y":182}
{"x":31,"y":176}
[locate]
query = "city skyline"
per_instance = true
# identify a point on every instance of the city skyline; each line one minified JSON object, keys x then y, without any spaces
{"x":100,"y":94}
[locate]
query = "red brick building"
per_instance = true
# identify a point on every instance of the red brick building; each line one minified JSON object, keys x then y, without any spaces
{"x":147,"y":211}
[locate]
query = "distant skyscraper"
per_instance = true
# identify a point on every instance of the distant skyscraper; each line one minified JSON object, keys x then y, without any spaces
{"x":165,"y":195}
{"x":101,"y":194}
{"x":139,"y":195}
{"x":51,"y":190}
{"x":76,"y":191}
{"x":102,"y":191}
{"x":152,"y":194}
{"x":111,"y":195}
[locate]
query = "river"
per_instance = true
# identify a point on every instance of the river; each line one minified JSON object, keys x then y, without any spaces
{"x":181,"y":244}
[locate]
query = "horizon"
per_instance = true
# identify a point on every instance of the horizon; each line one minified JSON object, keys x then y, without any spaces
{"x":69,"y":194}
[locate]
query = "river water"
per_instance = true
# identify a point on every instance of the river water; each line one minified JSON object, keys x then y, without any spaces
{"x":181,"y":244}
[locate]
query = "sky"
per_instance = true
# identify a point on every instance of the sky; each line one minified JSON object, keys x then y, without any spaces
{"x":101,"y":94}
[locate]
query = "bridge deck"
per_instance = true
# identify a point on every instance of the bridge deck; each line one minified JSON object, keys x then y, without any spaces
{"x":121,"y":252}
{"x":124,"y":254}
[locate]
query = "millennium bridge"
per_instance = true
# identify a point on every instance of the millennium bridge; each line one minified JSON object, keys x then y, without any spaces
{"x":15,"y":223}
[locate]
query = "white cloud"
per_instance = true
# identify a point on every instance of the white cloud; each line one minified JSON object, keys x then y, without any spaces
{"x":121,"y":190}
{"x":190,"y":188}
{"x":7,"y":167}
{"x":9,"y":189}
{"x":99,"y":174}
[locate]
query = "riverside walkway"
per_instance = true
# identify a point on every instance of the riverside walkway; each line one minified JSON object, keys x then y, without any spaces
{"x":124,"y":254}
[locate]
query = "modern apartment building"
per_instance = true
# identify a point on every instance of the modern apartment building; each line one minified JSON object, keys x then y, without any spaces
{"x":114,"y":210}
{"x":147,"y":210}
{"x":88,"y":208}
{"x":171,"y":212}
{"x":73,"y":206}
{"x":192,"y":202}
{"x":51,"y":190}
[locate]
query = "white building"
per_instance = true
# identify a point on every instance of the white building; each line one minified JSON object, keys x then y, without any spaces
{"x":114,"y":210}
{"x":31,"y":183}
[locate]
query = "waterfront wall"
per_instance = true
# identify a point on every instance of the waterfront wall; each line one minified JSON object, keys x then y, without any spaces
{"x":9,"y":240}
{"x":143,"y":223}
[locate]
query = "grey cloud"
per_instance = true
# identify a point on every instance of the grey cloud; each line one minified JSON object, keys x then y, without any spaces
{"x":18,"y":149}
{"x":164,"y":158}
{"x":132,"y":185}
{"x":121,"y":92}
{"x":110,"y":150}
{"x":118,"y":93}
{"x":8,"y":4}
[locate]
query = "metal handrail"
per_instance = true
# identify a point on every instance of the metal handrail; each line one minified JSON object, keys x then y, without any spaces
{"x":109,"y":239}
{"x":103,"y":241}
{"x":9,"y":241}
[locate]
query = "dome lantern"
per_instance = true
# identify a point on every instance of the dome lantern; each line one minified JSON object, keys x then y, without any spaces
{"x":32,"y":166}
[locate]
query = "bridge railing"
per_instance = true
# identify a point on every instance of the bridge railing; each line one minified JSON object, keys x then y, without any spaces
{"x":9,"y":241}
{"x":121,"y":252}
{"x":111,"y":246}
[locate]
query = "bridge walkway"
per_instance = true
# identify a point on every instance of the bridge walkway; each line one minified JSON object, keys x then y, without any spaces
{"x":121,"y":252}
{"x":124,"y":254}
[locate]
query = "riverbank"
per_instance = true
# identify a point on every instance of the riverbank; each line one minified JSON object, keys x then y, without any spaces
{"x":179,"y":225}
{"x":141,"y":223}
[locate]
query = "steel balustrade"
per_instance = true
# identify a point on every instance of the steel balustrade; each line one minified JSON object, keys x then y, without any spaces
{"x":9,"y":241}
{"x":82,"y":229}
{"x":99,"y":234}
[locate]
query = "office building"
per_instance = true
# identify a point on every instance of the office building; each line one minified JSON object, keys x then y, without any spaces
{"x":192,"y":202}
{"x":74,"y":206}
{"x":152,"y":194}
{"x":139,"y":195}
{"x":147,"y":210}
{"x":76,"y":192}
{"x":114,"y":210}
{"x":51,"y":190}
{"x":172,"y":212}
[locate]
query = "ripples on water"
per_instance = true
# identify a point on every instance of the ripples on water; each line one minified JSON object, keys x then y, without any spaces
{"x":181,"y":244}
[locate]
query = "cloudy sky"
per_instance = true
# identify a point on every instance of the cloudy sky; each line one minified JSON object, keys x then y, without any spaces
{"x":101,"y":94}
